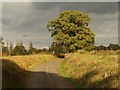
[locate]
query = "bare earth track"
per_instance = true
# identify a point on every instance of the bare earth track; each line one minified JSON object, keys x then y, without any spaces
{"x":46,"y":76}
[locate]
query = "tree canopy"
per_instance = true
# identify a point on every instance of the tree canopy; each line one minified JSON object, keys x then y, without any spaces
{"x":19,"y":50}
{"x":113,"y":47}
{"x":70,"y":29}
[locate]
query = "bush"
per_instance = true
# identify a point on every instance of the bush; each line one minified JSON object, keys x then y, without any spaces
{"x":113,"y":47}
{"x":19,"y":50}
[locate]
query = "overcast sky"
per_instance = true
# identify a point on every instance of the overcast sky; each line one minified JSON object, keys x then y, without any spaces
{"x":27,"y":21}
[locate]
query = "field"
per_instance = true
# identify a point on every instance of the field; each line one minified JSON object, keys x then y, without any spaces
{"x":16,"y":68}
{"x":83,"y":69}
{"x":91,"y":69}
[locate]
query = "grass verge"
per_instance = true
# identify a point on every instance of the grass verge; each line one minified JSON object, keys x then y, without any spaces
{"x":86,"y":70}
{"x":16,"y":68}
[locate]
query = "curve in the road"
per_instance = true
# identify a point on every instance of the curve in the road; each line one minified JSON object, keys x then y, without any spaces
{"x":46,"y":76}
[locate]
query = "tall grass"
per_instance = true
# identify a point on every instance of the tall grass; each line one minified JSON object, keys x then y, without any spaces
{"x":26,"y":61}
{"x":91,"y":70}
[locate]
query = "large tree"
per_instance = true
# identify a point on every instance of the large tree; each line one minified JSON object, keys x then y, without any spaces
{"x":70,"y":29}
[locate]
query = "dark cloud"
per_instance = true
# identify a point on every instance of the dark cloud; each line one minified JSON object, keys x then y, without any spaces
{"x":91,"y":7}
{"x":44,"y":5}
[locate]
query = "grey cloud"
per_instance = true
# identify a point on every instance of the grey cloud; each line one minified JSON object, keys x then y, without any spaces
{"x":91,"y":7}
{"x":5,"y":21}
{"x":75,"y":1}
{"x":106,"y":40}
{"x":105,"y":27}
{"x":30,"y":21}
{"x":44,"y":5}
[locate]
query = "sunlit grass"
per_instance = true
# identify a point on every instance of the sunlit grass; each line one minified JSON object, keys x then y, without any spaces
{"x":88,"y":70}
{"x":27,"y":61}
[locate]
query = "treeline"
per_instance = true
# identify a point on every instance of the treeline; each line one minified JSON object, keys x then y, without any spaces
{"x":109,"y":47}
{"x":19,"y":49}
{"x":61,"y":49}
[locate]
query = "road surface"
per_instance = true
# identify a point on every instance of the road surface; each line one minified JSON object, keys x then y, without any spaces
{"x":46,"y":76}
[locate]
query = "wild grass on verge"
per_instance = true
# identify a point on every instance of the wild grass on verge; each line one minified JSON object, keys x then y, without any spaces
{"x":86,"y":70}
{"x":15,"y":68}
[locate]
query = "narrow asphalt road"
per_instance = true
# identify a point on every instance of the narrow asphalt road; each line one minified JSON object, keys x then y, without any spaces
{"x":46,"y":76}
